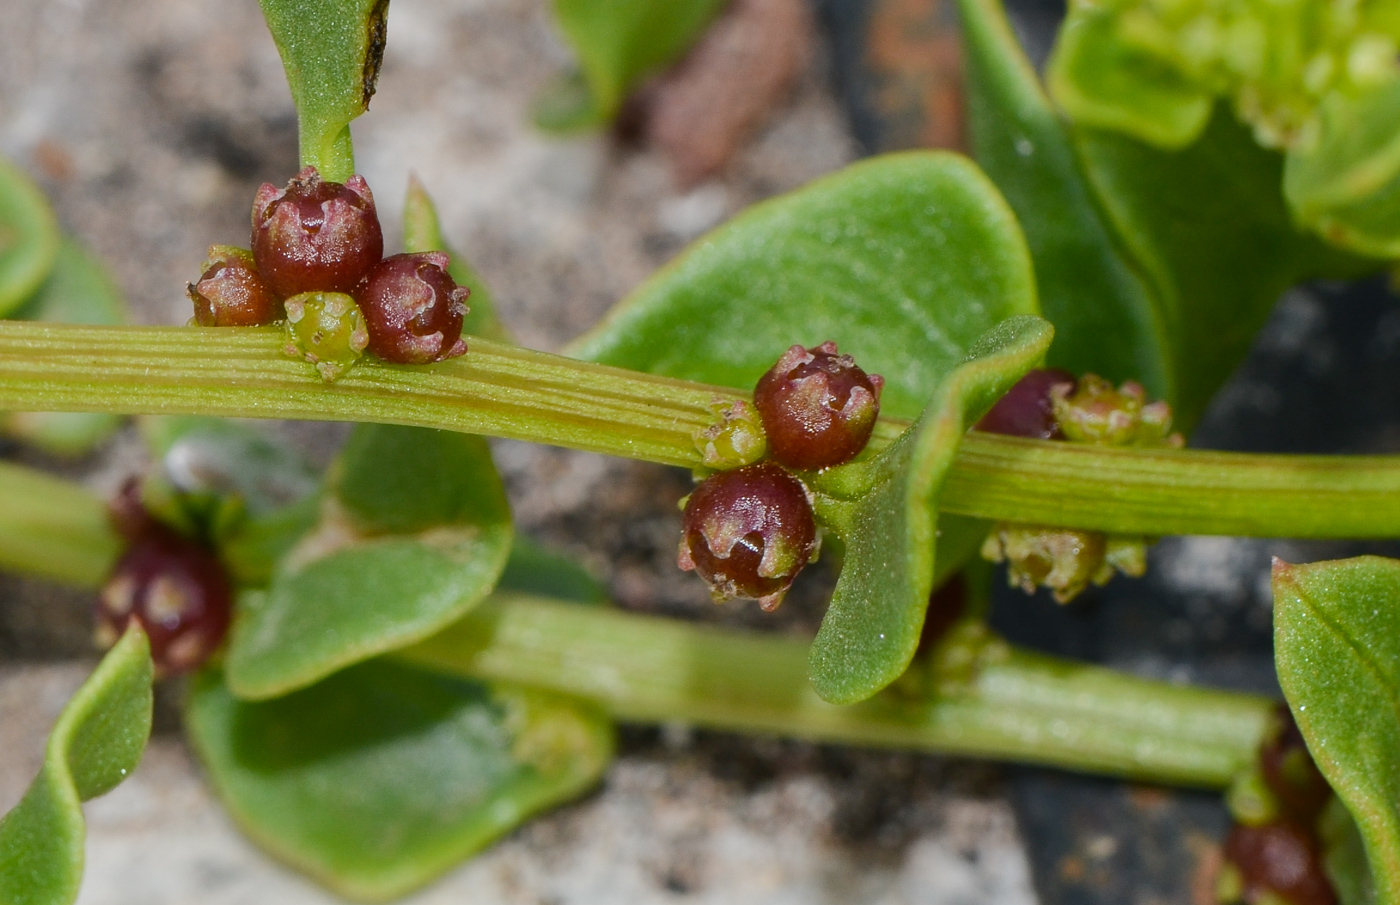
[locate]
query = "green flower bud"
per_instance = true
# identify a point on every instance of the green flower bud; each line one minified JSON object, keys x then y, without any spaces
{"x":327,"y":330}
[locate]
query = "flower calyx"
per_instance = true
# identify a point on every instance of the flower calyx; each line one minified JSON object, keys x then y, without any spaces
{"x":326,"y":329}
{"x":315,"y":235}
{"x":1092,"y":411}
{"x":734,"y":439}
{"x":748,"y":532}
{"x":231,"y":293}
{"x":818,"y":407}
{"x":413,"y":309}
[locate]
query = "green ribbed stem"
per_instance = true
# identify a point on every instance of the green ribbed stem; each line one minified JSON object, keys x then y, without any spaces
{"x":1017,"y":705}
{"x":506,"y":391}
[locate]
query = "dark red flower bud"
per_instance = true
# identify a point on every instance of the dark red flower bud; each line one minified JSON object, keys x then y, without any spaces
{"x":946,"y":605}
{"x":315,"y":236}
{"x":174,"y":587}
{"x":1289,"y":771}
{"x":231,"y":292}
{"x":1273,"y":863}
{"x":748,"y":532}
{"x":413,"y":309}
{"x":818,"y":407}
{"x":1027,"y":409}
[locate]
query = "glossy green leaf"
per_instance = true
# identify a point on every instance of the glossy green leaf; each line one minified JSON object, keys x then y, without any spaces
{"x":1105,"y":82}
{"x":1105,"y":317}
{"x":96,"y":743}
{"x":422,"y":231}
{"x":1209,"y":228}
{"x":871,"y":630}
{"x":1337,"y":647}
{"x":380,"y":778}
{"x":28,"y":237}
{"x":78,"y":291}
{"x":331,"y":51}
{"x":903,"y":260}
{"x":620,"y":42}
{"x":414,"y":532}
{"x":1343,"y":180}
{"x":1344,"y":855}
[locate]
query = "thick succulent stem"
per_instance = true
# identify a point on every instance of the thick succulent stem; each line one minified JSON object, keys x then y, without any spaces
{"x":505,"y":391}
{"x":1013,"y":705}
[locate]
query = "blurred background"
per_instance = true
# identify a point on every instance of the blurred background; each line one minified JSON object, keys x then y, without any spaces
{"x":150,"y":123}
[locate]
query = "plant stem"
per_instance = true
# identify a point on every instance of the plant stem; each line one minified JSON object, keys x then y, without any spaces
{"x":506,"y":391}
{"x":53,"y":529}
{"x":1016,"y":705}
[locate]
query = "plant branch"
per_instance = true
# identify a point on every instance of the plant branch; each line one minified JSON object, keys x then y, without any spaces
{"x":53,"y":528}
{"x":1015,"y":705}
{"x":505,"y":391}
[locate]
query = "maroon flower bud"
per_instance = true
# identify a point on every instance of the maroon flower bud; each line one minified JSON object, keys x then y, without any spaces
{"x":1027,"y":409}
{"x":1289,"y":771}
{"x":1273,"y":863}
{"x":946,"y":605}
{"x":315,"y":236}
{"x":748,"y":532}
{"x":818,"y":407}
{"x":413,"y":309}
{"x":231,"y":293}
{"x":174,"y":587}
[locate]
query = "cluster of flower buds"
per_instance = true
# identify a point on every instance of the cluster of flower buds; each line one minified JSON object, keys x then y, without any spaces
{"x":749,"y":528}
{"x":1051,"y":404}
{"x":174,"y":587}
{"x":1272,"y":855}
{"x":317,"y":260}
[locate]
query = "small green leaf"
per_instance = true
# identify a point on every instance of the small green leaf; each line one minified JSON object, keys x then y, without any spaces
{"x":1337,"y":647}
{"x":422,"y":231}
{"x":1343,"y":181}
{"x":871,"y":630}
{"x":78,"y":291}
{"x":331,"y":50}
{"x":28,"y":237}
{"x":96,"y":743}
{"x":1209,"y":229}
{"x":903,"y":260}
{"x":534,"y":570}
{"x":414,"y":532}
{"x":1105,"y":82}
{"x":1105,"y":316}
{"x":380,"y":778}
{"x":620,"y":42}
{"x":1344,"y":855}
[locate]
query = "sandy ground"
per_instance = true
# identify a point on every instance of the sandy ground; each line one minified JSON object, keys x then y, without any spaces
{"x":150,"y":123}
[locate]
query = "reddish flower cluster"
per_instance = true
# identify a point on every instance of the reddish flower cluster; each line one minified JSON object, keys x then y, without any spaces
{"x":1275,"y":857}
{"x":174,"y":587}
{"x":750,"y":530}
{"x":324,"y":237}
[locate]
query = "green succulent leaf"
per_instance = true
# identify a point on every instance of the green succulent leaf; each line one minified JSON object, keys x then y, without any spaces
{"x":414,"y":531}
{"x":619,"y":43}
{"x":1105,"y":315}
{"x":422,"y":231}
{"x":1343,"y":180}
{"x":903,"y":260}
{"x":1337,"y":647}
{"x":331,"y":51}
{"x":1103,"y":81}
{"x":1210,"y":231}
{"x":535,"y":571}
{"x":1344,"y":855}
{"x":29,"y":237}
{"x":78,"y":291}
{"x":871,"y":630}
{"x":97,"y":742}
{"x":379,"y":779}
